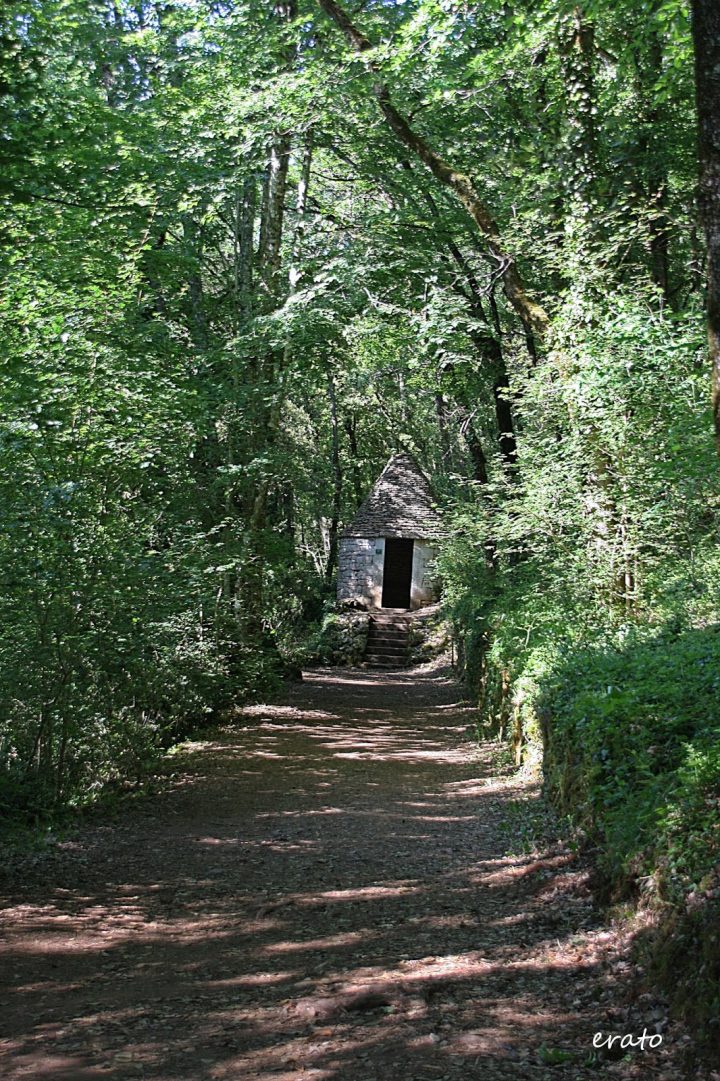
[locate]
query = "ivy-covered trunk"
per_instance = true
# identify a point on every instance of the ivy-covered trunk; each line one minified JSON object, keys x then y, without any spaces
{"x":706,"y":35}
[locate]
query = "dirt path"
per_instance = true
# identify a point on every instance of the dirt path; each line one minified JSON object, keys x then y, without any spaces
{"x":323,"y":893}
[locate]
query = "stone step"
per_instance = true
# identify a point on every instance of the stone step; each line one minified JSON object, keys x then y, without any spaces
{"x":389,"y":639}
{"x":375,"y":661}
{"x":397,"y":634}
{"x":387,"y":645}
{"x":390,"y":651}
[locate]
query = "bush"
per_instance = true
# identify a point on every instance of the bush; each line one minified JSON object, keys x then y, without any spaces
{"x":631,"y":752}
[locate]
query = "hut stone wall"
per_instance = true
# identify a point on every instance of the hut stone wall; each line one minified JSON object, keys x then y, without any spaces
{"x":360,"y":572}
{"x":422,"y":586}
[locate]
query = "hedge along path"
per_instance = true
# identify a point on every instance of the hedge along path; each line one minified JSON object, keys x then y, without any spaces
{"x":326,"y":889}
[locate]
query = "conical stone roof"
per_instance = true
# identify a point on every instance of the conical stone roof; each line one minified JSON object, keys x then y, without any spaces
{"x":399,"y":505}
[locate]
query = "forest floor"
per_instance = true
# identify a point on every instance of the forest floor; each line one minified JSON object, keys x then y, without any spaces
{"x":328,"y":889}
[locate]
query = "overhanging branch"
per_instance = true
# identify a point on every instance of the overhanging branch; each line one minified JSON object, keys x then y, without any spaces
{"x":532,"y":314}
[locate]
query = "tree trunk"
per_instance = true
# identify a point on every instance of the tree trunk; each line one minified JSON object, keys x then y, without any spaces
{"x":350,"y":424}
{"x":242,"y":266}
{"x":656,"y":180}
{"x":441,"y":414}
{"x":275,"y":370}
{"x":706,"y":37}
{"x":489,"y":347}
{"x":194,"y":240}
{"x":578,"y":50}
{"x":244,"y":213}
{"x":337,"y":482}
{"x":504,"y":417}
{"x":300,"y":211}
{"x":279,"y":365}
{"x":651,"y":179}
{"x":474,"y":446}
{"x":271,"y":227}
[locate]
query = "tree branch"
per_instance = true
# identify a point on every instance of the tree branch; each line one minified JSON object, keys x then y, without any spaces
{"x":533,"y":315}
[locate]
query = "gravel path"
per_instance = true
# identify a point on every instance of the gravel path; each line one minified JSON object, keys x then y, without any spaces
{"x":331,"y":889}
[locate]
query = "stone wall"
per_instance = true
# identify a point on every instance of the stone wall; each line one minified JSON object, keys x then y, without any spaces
{"x":360,"y":571}
{"x":342,"y":639}
{"x":422,"y":589}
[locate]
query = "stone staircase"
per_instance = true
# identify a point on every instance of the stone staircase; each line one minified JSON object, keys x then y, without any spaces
{"x":388,"y":639}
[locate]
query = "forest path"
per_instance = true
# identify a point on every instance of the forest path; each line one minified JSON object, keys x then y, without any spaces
{"x":323,"y":894}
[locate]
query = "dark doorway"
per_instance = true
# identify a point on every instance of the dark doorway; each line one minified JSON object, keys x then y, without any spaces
{"x":397,"y":572}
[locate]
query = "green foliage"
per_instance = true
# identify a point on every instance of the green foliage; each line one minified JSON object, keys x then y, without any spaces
{"x":205,"y":364}
{"x":632,"y":752}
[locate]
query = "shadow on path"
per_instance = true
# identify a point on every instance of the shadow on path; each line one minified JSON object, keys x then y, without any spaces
{"x":325,"y":892}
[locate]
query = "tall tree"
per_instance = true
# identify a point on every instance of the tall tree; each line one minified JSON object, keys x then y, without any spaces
{"x":706,"y":38}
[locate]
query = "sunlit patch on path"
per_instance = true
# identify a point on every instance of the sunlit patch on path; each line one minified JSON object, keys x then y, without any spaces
{"x":328,"y":890}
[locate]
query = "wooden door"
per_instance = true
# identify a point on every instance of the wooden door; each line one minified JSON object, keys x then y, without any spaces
{"x":397,"y":572}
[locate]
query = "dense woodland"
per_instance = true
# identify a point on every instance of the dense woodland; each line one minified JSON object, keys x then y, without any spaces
{"x":250,"y":249}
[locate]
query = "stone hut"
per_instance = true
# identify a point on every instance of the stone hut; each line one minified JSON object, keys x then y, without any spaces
{"x":386,"y":551}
